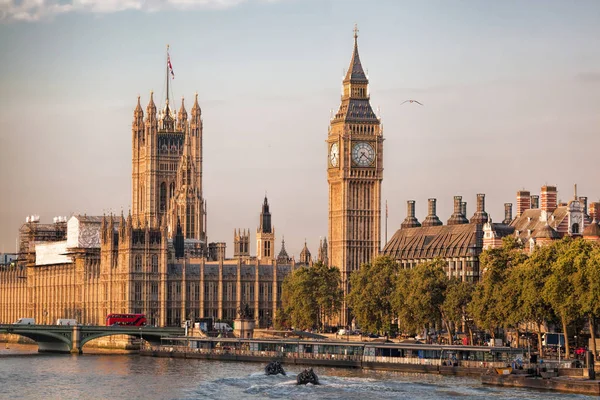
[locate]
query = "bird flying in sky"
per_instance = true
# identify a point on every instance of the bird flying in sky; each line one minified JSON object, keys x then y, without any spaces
{"x":411,"y":101}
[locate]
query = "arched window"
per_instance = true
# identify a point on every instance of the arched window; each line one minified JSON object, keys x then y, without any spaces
{"x":575,"y":228}
{"x":163,"y":197}
{"x":138,"y":263}
{"x":155,"y":263}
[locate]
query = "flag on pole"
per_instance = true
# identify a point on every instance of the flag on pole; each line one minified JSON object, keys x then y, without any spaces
{"x":170,"y":66}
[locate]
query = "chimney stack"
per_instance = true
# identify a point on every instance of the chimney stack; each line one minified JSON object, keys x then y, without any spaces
{"x":480,"y":216}
{"x":507,"y":213}
{"x":457,"y":217}
{"x":594,"y":210}
{"x":410,"y":221}
{"x":548,"y":198}
{"x":535,"y":201}
{"x":584,"y":204}
{"x":463,"y":208}
{"x":432,"y":219}
{"x":523,"y":201}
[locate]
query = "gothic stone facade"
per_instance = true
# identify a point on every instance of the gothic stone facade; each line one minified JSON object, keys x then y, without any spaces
{"x":156,"y":260}
{"x":354,"y":174}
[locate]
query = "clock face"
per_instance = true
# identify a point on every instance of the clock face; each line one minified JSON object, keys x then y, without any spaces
{"x":363,"y":154}
{"x":334,"y":155}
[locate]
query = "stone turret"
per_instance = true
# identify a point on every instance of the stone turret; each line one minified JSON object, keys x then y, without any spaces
{"x":305,"y":257}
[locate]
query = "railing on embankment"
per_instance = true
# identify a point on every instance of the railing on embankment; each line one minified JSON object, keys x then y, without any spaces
{"x":401,"y":364}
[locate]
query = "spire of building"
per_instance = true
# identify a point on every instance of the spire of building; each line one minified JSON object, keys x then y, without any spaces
{"x":283,"y":257}
{"x":151,"y":107}
{"x":196,"y":107}
{"x":182,"y":117}
{"x":305,"y":254}
{"x":138,"y":115}
{"x":355,"y":71}
{"x":355,"y":106}
{"x":265,"y":217}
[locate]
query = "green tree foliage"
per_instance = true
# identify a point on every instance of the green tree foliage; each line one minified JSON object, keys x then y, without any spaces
{"x":559,"y":289}
{"x":456,"y":303}
{"x":309,"y":296}
{"x":589,"y":291}
{"x":427,"y":292}
{"x":529,"y":279}
{"x":370,"y":296}
{"x":493,"y":301}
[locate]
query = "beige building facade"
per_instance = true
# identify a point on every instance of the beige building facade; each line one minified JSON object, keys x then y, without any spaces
{"x":156,"y":261}
{"x":354,"y":174}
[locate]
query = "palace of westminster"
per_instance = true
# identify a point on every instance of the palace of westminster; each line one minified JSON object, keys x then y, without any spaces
{"x":156,"y":260}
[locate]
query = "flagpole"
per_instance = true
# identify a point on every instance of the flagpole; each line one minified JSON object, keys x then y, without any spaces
{"x":167,"y":67}
{"x":386,"y":218}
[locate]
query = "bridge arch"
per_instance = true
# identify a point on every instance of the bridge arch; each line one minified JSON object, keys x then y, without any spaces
{"x":46,"y":341}
{"x":147,"y":336}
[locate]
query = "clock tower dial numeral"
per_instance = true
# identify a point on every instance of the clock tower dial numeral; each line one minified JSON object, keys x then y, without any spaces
{"x":334,"y":155}
{"x":363,"y":154}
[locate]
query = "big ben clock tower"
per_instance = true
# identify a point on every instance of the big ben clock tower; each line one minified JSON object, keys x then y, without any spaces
{"x":354,"y":174}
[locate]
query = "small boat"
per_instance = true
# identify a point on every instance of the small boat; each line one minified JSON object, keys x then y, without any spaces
{"x":307,"y":376}
{"x":504,"y":371}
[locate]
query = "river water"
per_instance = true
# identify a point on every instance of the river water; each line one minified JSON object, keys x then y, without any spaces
{"x":25,"y":374}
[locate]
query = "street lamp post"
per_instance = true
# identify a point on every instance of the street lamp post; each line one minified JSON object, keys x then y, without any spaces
{"x":141,"y":338}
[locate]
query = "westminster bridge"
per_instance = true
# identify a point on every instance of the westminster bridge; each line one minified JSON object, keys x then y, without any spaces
{"x":72,"y":338}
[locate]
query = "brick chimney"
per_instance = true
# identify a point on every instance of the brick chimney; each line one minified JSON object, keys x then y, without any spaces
{"x":523,"y":201}
{"x":548,"y":198}
{"x":432,"y":219}
{"x":535,"y":201}
{"x":507,"y":213}
{"x":457,"y":217}
{"x":480,"y":216}
{"x":410,"y":221}
{"x":463,"y":208}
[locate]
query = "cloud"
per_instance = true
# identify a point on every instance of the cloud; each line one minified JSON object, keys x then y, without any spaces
{"x":35,"y":10}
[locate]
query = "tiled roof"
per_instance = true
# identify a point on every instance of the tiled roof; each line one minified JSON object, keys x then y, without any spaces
{"x":530,"y":221}
{"x":502,"y":230}
{"x":436,"y":241}
{"x":546,"y":232}
{"x":355,"y":70}
{"x":592,"y":229}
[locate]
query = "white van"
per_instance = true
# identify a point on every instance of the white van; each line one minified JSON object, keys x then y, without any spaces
{"x":66,"y":321}
{"x":25,"y":321}
{"x":222,"y":326}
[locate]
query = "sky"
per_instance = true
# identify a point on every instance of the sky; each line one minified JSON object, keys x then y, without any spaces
{"x":511,"y":94}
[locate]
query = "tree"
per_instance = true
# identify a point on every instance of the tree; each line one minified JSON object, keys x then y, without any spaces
{"x":530,"y":278}
{"x":309,"y":296}
{"x":587,"y":285}
{"x":328,"y":290}
{"x":427,"y":293}
{"x":456,"y":302}
{"x":370,"y":296}
{"x":559,"y":288}
{"x":491,"y":306}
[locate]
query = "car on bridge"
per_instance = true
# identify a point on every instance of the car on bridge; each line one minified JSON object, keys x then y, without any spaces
{"x":25,"y":321}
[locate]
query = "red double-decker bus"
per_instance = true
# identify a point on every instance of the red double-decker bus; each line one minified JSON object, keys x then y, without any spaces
{"x":126,"y":319}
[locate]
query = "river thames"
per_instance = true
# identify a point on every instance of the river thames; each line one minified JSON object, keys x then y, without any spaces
{"x":25,"y":374}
